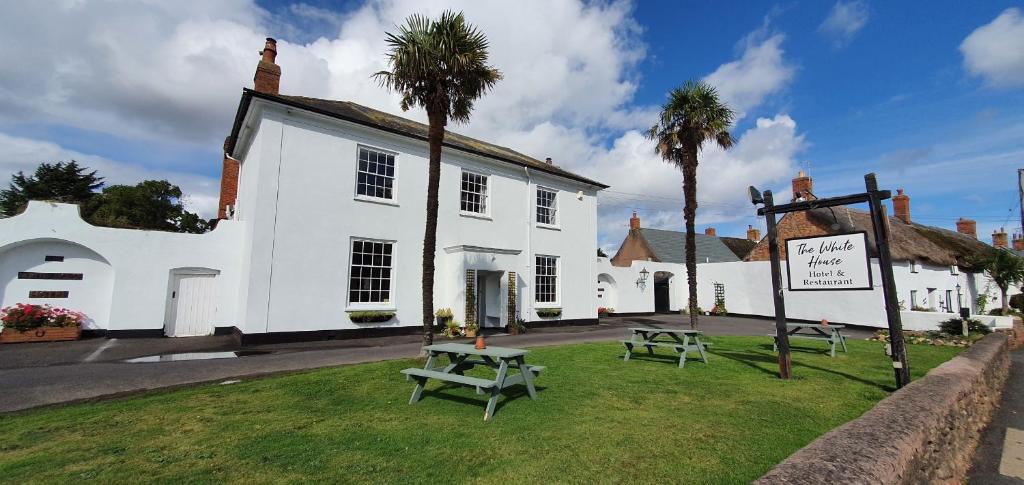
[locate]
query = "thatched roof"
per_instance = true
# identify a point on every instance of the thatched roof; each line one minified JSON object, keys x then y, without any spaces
{"x":355,"y":113}
{"x":739,"y":246}
{"x":912,"y":241}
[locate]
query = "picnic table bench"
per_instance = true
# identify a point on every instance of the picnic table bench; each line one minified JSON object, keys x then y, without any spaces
{"x":462,"y":357}
{"x":679,"y":341}
{"x":814,"y":331}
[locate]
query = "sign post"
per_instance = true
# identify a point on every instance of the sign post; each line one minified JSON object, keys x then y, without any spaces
{"x":835,"y":262}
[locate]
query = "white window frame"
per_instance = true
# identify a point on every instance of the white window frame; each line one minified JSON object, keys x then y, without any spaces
{"x":394,"y":177}
{"x":554,"y":208}
{"x":557,"y":303}
{"x":913,"y":266}
{"x":382,"y":305}
{"x":954,"y":270}
{"x":486,"y":195}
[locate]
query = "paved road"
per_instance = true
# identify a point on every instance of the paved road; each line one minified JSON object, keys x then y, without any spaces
{"x":33,"y":375}
{"x":1000,"y":455}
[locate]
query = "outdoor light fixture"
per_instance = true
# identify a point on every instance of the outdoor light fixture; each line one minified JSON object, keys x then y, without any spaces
{"x":755,"y":196}
{"x":641,"y":282}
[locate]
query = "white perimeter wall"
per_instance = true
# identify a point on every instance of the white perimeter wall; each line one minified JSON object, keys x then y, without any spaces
{"x":126,"y":273}
{"x":748,"y":291}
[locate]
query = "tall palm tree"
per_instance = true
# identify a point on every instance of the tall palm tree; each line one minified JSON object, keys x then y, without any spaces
{"x":692,"y":116}
{"x":441,"y":66}
{"x":1005,"y":269}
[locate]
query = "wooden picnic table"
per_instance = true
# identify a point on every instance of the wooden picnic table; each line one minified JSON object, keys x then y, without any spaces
{"x":678,"y":340}
{"x":462,"y":357}
{"x":830,"y":333}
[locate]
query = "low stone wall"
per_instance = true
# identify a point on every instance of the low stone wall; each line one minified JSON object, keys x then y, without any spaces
{"x":923,"y":433}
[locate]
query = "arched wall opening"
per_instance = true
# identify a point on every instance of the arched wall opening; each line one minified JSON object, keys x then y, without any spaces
{"x":607,"y":291}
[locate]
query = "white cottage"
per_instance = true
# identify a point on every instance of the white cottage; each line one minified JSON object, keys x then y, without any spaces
{"x":322,"y":215}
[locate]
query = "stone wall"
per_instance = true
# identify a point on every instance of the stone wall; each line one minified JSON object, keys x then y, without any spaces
{"x":923,"y":433}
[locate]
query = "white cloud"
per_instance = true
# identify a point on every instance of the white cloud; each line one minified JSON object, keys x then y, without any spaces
{"x":760,"y":71}
{"x":19,"y":154}
{"x":844,"y":21}
{"x":995,"y":51}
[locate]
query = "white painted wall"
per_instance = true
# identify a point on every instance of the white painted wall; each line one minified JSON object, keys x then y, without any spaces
{"x":297,"y":198}
{"x":748,"y":291}
{"x":127,"y":273}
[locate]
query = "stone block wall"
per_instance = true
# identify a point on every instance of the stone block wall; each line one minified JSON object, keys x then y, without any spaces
{"x":923,"y":433}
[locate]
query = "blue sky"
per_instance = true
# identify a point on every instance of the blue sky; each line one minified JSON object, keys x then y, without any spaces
{"x":926,"y":94}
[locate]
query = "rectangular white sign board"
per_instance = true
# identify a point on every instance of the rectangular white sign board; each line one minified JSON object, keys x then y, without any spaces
{"x":839,"y":262}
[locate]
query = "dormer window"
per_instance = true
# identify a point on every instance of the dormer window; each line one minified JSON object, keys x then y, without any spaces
{"x":375,"y":177}
{"x":913,"y":266}
{"x":954,"y":270}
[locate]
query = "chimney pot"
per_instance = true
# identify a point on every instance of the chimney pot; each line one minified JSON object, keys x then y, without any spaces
{"x":999,"y":239}
{"x":967,"y":227}
{"x":901,"y":206}
{"x":268,"y":74}
{"x":753,"y":234}
{"x":710,"y":231}
{"x":634,"y":222}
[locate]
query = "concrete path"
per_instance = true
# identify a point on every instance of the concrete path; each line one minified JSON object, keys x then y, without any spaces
{"x":999,"y":458}
{"x":33,"y":375}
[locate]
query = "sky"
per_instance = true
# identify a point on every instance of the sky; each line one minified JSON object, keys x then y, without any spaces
{"x":928,"y":95}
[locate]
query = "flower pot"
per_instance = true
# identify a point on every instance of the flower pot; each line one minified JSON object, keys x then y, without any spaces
{"x":480,"y":344}
{"x":41,"y":334}
{"x":470,"y":332}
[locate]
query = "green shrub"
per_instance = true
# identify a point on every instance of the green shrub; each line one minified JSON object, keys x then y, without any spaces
{"x":370,"y":317}
{"x":954,"y":326}
{"x":1017,"y":302}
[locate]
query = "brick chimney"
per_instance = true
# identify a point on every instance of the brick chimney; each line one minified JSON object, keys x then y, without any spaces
{"x":999,"y":239}
{"x":710,"y":231}
{"x":1018,"y":242}
{"x":268,"y":74}
{"x":803,"y":185}
{"x":968,"y":227}
{"x":634,"y":222}
{"x":901,"y":206}
{"x":228,"y":181}
{"x":753,"y":234}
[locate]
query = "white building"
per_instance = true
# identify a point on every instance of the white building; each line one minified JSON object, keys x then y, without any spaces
{"x":323,"y":216}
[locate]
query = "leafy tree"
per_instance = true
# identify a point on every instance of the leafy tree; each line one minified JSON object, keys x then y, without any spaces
{"x":151,"y":204}
{"x":441,"y":66}
{"x":61,"y":182}
{"x":1005,"y":269}
{"x":692,"y":116}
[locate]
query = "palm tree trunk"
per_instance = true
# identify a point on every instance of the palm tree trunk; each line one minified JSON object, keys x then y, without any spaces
{"x":435,"y":137}
{"x":690,"y":215}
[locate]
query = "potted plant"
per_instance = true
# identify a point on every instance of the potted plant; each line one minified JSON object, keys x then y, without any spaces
{"x":370,"y":316}
{"x":549,"y":312}
{"x":469,"y":330}
{"x":444,"y":315}
{"x":39,"y":323}
{"x":451,"y":329}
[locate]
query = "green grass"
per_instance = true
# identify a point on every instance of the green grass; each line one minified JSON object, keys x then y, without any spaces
{"x":598,"y":419}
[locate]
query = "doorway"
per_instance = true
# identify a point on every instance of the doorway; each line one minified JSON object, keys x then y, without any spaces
{"x":192,"y":305}
{"x":663,"y":291}
{"x":489,"y":298}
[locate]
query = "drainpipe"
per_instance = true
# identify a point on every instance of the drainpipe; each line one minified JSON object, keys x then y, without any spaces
{"x":528,"y":307}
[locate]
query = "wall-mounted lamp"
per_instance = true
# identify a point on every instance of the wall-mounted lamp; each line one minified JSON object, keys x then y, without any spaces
{"x":641,"y":282}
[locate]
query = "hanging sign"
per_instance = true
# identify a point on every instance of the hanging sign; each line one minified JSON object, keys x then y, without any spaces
{"x":835,"y":263}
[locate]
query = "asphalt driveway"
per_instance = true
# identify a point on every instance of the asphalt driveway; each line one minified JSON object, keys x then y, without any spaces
{"x":33,"y":375}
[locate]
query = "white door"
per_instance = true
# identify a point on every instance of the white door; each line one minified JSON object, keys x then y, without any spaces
{"x":192,"y":305}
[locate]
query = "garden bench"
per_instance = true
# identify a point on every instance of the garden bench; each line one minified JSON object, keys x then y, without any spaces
{"x":680,"y":342}
{"x":462,"y":357}
{"x":827,"y":333}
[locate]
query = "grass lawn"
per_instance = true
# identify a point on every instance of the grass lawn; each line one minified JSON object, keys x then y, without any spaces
{"x":598,"y":419}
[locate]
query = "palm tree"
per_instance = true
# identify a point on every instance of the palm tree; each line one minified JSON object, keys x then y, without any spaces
{"x":692,"y":116}
{"x":1005,"y":269}
{"x":441,"y":66}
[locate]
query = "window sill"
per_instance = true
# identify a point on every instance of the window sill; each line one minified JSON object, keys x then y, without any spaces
{"x":475,"y":215}
{"x":376,"y":308}
{"x":548,"y":227}
{"x":375,"y":200}
{"x":547,"y":306}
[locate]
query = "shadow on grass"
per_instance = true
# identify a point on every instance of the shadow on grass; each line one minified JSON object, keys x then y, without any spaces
{"x":508,"y":394}
{"x":754,"y":359}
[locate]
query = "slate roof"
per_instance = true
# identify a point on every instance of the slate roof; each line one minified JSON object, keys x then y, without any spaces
{"x":355,"y":113}
{"x":670,"y":247}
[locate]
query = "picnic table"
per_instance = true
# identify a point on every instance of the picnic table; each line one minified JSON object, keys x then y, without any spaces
{"x":462,"y":357}
{"x":679,"y":339}
{"x":830,"y":333}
